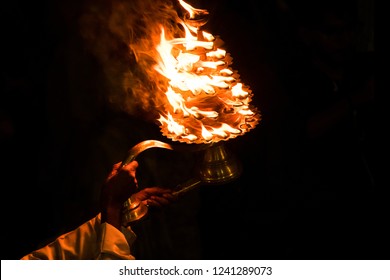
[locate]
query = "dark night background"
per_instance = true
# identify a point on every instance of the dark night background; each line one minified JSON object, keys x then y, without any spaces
{"x":59,"y":139}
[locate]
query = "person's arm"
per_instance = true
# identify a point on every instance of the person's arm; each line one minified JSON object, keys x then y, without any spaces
{"x":103,"y":237}
{"x":113,"y":194}
{"x":91,"y":240}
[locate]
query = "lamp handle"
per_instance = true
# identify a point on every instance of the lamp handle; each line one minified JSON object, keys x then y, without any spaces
{"x":135,"y":210}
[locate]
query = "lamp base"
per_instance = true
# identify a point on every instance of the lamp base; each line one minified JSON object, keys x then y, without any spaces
{"x":218,"y":166}
{"x":133,"y":211}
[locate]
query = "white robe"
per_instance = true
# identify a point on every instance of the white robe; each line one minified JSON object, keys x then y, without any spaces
{"x":91,"y":241}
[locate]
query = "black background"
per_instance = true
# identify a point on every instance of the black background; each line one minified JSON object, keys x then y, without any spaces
{"x":59,"y":141}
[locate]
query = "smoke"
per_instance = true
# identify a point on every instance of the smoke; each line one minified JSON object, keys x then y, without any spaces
{"x":123,"y":35}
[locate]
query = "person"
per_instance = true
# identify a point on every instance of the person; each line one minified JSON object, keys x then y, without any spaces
{"x":104,"y":237}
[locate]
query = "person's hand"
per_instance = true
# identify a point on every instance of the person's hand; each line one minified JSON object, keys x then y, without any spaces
{"x":120,"y":184}
{"x":155,"y":196}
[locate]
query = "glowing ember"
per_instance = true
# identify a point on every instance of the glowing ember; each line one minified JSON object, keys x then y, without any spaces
{"x":205,"y":99}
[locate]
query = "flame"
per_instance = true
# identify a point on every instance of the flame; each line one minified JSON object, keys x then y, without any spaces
{"x":205,"y":101}
{"x":191,"y":10}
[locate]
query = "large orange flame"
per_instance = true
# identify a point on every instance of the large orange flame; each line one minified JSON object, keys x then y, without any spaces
{"x":205,"y":101}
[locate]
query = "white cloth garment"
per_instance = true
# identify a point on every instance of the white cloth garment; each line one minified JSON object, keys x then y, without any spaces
{"x":93,"y":240}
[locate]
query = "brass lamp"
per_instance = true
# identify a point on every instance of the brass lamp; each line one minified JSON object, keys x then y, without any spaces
{"x":218,"y":166}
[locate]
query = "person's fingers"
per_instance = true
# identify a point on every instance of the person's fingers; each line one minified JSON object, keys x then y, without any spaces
{"x":114,"y":170}
{"x":156,"y":196}
{"x":116,"y":166}
{"x":169,"y":196}
{"x":143,"y":194}
{"x":156,"y":191}
{"x":131,"y":167}
{"x":157,"y":202}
